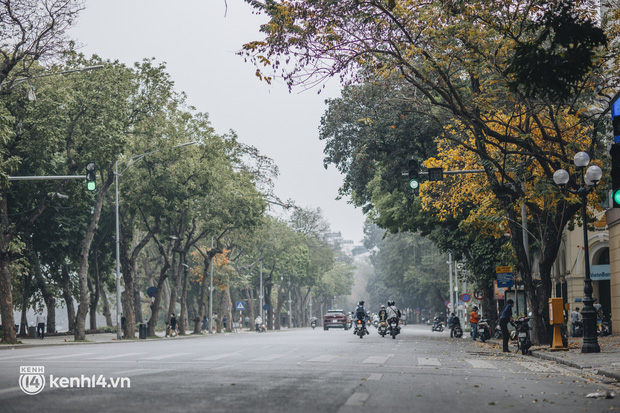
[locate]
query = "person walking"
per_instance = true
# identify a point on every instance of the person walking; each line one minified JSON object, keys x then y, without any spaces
{"x":258,"y":322}
{"x":574,"y":320}
{"x":173,"y":326}
{"x":504,"y":319}
{"x":224,"y":321}
{"x":451,"y":324}
{"x":474,"y":317}
{"x":41,"y":320}
{"x":205,"y":323}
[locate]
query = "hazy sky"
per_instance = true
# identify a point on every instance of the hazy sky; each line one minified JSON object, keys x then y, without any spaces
{"x":198,"y":43}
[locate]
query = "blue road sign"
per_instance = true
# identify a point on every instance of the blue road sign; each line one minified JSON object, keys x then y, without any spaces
{"x":240,"y":306}
{"x":505,"y":280}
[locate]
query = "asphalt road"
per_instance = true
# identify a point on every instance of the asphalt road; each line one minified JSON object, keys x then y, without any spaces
{"x":300,"y":370}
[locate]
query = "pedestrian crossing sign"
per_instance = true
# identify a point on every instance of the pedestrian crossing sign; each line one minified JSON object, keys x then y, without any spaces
{"x":240,"y":306}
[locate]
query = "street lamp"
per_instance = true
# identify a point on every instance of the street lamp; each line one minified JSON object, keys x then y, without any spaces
{"x":130,"y":162}
{"x":589,"y":180}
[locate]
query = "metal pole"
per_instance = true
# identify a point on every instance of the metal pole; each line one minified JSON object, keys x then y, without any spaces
{"x":118,"y":260}
{"x":290,"y":308}
{"x":260,"y":293}
{"x":588,"y":314}
{"x":211,"y":291}
{"x":451,"y":287}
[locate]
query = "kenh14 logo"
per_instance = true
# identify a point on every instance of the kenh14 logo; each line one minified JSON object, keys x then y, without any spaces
{"x":31,"y":379}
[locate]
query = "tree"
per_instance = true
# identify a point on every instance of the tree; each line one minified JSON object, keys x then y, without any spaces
{"x":29,"y":33}
{"x":456,"y":57}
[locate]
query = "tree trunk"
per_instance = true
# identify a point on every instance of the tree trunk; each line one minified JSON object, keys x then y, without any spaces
{"x":229,"y":308}
{"x":23,"y":324}
{"x":66,"y":295}
{"x":105,"y":307}
{"x":203,"y":290}
{"x":163,"y":275}
{"x":6,"y":295}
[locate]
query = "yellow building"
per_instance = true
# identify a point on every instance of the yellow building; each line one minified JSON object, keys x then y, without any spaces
{"x":568,"y":273}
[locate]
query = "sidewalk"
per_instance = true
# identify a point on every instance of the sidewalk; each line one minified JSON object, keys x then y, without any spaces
{"x":95,"y":339}
{"x":606,"y":363}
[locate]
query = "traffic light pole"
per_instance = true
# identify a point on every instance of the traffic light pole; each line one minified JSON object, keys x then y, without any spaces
{"x":45,"y":178}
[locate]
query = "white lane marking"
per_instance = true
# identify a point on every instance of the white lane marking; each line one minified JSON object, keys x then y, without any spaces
{"x":130,"y":371}
{"x":391,"y":355}
{"x":10,"y":389}
{"x":220,"y":356}
{"x":376,"y":359}
{"x":46,"y":358}
{"x":480,"y":364}
{"x":375,"y":376}
{"x":16,"y":357}
{"x":115,"y":356}
{"x":324,"y":358}
{"x":538,"y":368}
{"x":164,"y":356}
{"x":269,"y":357}
{"x":428,"y":361}
{"x":357,"y":399}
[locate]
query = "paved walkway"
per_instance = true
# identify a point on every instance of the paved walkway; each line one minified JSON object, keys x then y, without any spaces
{"x":606,"y":363}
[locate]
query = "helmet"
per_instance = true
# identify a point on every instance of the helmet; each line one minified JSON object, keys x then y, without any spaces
{"x":361,"y":302}
{"x":382,"y":306}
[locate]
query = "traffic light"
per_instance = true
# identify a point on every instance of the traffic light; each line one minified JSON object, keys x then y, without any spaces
{"x":615,"y":119}
{"x":91,"y":176}
{"x":615,"y":174}
{"x":414,"y":174}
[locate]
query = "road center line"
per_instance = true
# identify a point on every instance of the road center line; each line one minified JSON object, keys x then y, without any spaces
{"x":357,"y":399}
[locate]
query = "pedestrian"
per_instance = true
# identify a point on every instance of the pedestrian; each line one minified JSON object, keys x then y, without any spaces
{"x":123,"y":325}
{"x":504,"y":319}
{"x":173,"y":326}
{"x":247,"y":321}
{"x":205,"y":323}
{"x":599,"y":312}
{"x":224,"y":321}
{"x":474,"y":317}
{"x":451,"y":324}
{"x":574,"y":320}
{"x":41,"y":320}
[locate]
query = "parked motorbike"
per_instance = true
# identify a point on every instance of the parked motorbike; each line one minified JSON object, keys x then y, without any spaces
{"x":484,"y":330}
{"x":578,"y":329}
{"x":394,"y":328}
{"x":260,"y":328}
{"x":383,"y":328}
{"x":360,"y":329}
{"x":497,"y":331}
{"x":457,"y":330}
{"x":522,"y":329}
{"x":437,"y":325}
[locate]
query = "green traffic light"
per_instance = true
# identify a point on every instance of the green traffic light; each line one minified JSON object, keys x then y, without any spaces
{"x":91,"y":186}
{"x":414,"y":184}
{"x":616,"y":196}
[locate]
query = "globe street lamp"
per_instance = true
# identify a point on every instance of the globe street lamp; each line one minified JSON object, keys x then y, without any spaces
{"x":589,"y":180}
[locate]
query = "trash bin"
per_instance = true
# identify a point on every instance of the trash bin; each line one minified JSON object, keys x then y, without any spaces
{"x":143,"y":330}
{"x":32,"y":332}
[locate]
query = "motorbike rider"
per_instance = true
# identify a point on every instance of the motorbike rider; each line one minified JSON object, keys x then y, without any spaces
{"x":393,"y":313}
{"x":360,"y":313}
{"x":382,"y":313}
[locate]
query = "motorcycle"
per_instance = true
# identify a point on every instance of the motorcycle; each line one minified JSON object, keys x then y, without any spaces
{"x":484,"y":330}
{"x":457,"y":330}
{"x":383,"y":328}
{"x":260,"y":328}
{"x":603,"y":329}
{"x":578,"y":329}
{"x":497,"y":331}
{"x":375,"y":323}
{"x":313,"y":324}
{"x":360,"y":329}
{"x":394,"y":328}
{"x":522,"y":328}
{"x":437,"y":325}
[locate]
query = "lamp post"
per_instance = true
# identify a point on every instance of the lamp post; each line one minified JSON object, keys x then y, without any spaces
{"x":130,"y":162}
{"x":589,"y":180}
